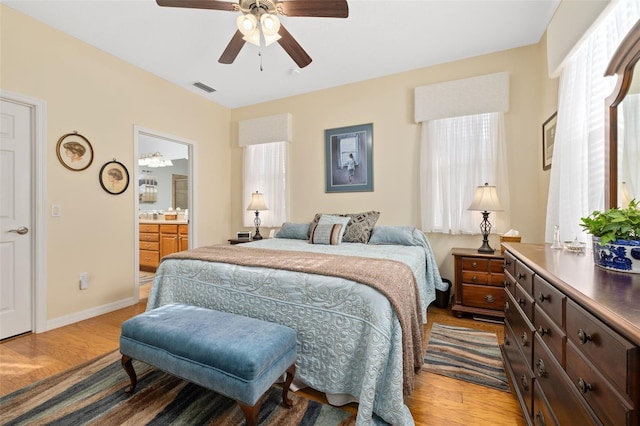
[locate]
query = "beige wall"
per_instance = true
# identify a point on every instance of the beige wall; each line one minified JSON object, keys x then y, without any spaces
{"x":102,"y":98}
{"x":388,"y":103}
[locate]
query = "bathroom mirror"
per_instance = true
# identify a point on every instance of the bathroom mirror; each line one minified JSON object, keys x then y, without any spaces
{"x":622,"y":124}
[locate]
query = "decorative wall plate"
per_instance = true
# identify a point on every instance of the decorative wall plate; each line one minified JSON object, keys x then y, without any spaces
{"x":114,"y":177}
{"x":74,"y":151}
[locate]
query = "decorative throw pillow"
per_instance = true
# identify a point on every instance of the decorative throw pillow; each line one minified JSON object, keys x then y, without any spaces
{"x":398,"y":235}
{"x":326,"y":233}
{"x":359,"y":228}
{"x":331,"y":219}
{"x":294,"y":231}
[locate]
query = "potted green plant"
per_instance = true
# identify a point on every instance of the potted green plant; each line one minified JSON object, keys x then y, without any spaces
{"x":616,"y":237}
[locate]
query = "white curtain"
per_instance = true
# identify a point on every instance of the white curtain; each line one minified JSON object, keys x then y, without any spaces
{"x":576,"y":185}
{"x":456,"y":156}
{"x":265,"y":170}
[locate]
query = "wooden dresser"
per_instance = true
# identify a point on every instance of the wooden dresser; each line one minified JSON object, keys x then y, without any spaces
{"x":479,"y":283}
{"x":160,"y":239}
{"x":572,"y":338}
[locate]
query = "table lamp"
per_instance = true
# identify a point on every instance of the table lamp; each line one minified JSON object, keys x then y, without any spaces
{"x":485,"y":199}
{"x":257,"y":203}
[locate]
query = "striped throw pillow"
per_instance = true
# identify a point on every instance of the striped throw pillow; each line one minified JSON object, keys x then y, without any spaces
{"x":328,"y":233}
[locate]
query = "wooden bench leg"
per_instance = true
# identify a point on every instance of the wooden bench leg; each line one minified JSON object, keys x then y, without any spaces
{"x":251,"y":412}
{"x":286,"y":401}
{"x":128,"y":367}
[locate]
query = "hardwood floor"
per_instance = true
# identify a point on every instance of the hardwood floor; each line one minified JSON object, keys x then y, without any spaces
{"x":436,"y":401}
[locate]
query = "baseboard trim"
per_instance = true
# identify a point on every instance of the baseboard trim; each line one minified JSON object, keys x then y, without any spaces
{"x":89,"y":313}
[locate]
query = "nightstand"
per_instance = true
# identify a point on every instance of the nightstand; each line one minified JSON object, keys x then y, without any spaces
{"x":234,"y":241}
{"x":479,"y":283}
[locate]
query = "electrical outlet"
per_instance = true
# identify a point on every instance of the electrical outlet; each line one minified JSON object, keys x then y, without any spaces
{"x":84,"y":281}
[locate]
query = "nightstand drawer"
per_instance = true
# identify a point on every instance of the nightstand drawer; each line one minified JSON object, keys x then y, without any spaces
{"x":480,"y":296}
{"x":475,"y":264}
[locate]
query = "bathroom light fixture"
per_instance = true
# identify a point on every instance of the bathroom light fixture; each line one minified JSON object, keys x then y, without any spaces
{"x":257,"y":203}
{"x":153,"y":160}
{"x":485,"y":199}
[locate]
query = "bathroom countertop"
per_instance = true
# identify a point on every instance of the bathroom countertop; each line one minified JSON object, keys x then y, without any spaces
{"x":163,"y":222}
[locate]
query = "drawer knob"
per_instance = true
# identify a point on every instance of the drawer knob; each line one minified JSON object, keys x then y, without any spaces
{"x":583,"y":386}
{"x":524,"y":339}
{"x":542,"y":298}
{"x":543,"y":331}
{"x":540,"y":368}
{"x":507,"y":342}
{"x":524,"y":382}
{"x":489,"y":298}
{"x":506,"y":306}
{"x":507,"y":283}
{"x":540,"y":419}
{"x":583,"y":336}
{"x":474,"y":278}
{"x":521,"y":301}
{"x":474,"y":264}
{"x":507,"y":262}
{"x":521,"y":276}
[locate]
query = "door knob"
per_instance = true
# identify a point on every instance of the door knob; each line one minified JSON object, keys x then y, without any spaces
{"x":21,"y":230}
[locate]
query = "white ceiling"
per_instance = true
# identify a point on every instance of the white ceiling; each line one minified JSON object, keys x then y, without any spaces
{"x":378,"y":38}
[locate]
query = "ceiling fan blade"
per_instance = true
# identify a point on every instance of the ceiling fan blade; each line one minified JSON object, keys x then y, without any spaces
{"x":291,"y":46}
{"x":317,"y":8}
{"x":199,"y":4}
{"x":233,"y":48}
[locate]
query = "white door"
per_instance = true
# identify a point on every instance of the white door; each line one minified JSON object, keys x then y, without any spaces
{"x":15,"y":219}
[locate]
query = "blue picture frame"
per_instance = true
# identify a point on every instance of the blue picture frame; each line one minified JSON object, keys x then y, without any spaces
{"x":349,"y":159}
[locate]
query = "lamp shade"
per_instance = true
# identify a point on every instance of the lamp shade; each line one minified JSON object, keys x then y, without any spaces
{"x":486,"y":199}
{"x":257,"y":202}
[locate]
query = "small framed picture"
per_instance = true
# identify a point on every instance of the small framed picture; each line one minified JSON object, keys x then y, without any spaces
{"x":548,"y":139}
{"x":348,"y":159}
{"x":114,"y":177}
{"x":74,"y":151}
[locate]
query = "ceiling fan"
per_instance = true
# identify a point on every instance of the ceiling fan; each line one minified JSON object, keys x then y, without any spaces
{"x":259,"y":22}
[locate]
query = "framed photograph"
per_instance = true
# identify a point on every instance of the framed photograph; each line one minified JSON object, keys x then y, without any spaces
{"x":114,"y":177}
{"x":548,"y":139}
{"x":348,"y":159}
{"x":74,"y":151}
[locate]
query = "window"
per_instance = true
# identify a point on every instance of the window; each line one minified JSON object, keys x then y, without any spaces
{"x":457,"y":155}
{"x":265,"y":170}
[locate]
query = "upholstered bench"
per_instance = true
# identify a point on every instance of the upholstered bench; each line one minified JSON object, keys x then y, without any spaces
{"x":236,"y":356}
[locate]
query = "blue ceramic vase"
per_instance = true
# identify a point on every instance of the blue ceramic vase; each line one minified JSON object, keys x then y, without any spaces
{"x":618,"y":255}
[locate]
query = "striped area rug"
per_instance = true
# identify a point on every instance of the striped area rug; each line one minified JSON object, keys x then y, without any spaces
{"x":93,"y":394}
{"x":466,"y":354}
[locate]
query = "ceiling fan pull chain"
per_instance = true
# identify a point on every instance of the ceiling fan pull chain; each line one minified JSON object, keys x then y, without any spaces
{"x":260,"y":54}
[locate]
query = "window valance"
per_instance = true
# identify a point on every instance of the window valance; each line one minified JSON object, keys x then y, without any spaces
{"x":469,"y":96}
{"x":273,"y":128}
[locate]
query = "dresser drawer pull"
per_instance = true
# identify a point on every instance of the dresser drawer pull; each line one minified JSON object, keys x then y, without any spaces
{"x":540,"y":368}
{"x":542,"y":298}
{"x":506,"y":283}
{"x":524,"y":339}
{"x":506,"y":306}
{"x":507,"y":342}
{"x":522,"y":301}
{"x":583,"y":386}
{"x":521,"y":276}
{"x":489,"y":298}
{"x":540,"y":419}
{"x":583,"y":337}
{"x":474,"y":278}
{"x":507,"y":263}
{"x":524,"y":382}
{"x":543,"y":331}
{"x":474,"y":265}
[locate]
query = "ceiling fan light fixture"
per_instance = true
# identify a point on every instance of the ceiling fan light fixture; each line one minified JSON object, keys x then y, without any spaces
{"x":247,"y":24}
{"x":270,"y":24}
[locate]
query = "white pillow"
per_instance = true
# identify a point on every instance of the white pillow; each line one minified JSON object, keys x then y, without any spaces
{"x":331,"y":219}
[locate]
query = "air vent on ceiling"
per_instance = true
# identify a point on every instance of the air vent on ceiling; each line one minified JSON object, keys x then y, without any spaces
{"x":204,"y":87}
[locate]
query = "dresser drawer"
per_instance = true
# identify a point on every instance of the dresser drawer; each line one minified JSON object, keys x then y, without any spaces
{"x":509,"y":264}
{"x":550,"y":300}
{"x":603,"y":399}
{"x":613,"y":355}
{"x":509,"y":283}
{"x":522,"y":330}
{"x":551,"y":334}
{"x":149,"y":258}
{"x":149,"y":237}
{"x":475,"y":264}
{"x":524,"y":276}
{"x":522,"y":379}
{"x":148,"y":228}
{"x":148,"y":245}
{"x":525,"y":301}
{"x":568,"y":407}
{"x":481,"y":296}
{"x":542,"y":413}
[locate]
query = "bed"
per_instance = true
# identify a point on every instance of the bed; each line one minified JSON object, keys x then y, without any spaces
{"x":350,"y":336}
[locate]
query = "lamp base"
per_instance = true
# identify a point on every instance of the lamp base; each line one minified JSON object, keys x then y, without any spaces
{"x":486,"y":248}
{"x":256,"y":235}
